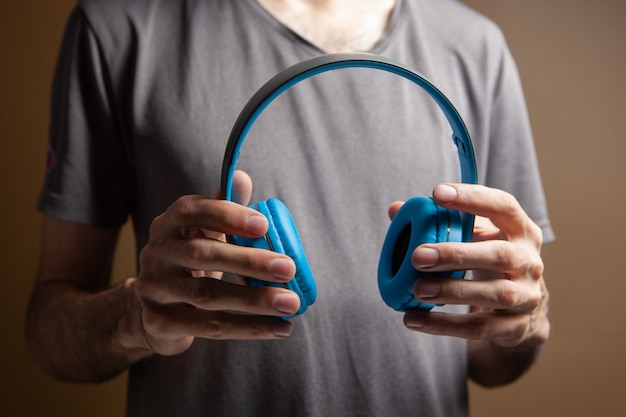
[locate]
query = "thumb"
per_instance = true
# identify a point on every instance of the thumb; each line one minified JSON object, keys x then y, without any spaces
{"x":242,"y":188}
{"x":393,"y":208}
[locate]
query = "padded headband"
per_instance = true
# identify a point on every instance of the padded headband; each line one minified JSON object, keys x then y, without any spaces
{"x":305,"y":69}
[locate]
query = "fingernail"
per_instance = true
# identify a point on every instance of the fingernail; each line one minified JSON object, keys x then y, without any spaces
{"x":282,"y":268}
{"x":425,"y":288}
{"x":287,"y":303}
{"x":257,"y":224}
{"x":283,"y":330}
{"x":445,"y":193}
{"x":414,"y":321}
{"x":425,"y":257}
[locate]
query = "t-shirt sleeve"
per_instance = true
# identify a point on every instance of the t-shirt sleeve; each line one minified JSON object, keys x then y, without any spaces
{"x":89,"y":176}
{"x":511,"y":160}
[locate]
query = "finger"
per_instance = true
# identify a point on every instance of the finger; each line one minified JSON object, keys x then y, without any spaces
{"x":499,"y":206}
{"x":495,"y":294}
{"x":393,"y":208}
{"x":493,"y":255}
{"x":180,"y":321}
{"x":190,"y":213}
{"x":214,"y":255}
{"x":242,"y":187}
{"x":215,"y":295}
{"x":503,"y":329}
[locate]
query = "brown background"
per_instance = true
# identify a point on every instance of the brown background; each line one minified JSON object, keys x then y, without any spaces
{"x":572,"y":58}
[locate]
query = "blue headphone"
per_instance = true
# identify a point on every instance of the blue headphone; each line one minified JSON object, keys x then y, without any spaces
{"x":418,"y":221}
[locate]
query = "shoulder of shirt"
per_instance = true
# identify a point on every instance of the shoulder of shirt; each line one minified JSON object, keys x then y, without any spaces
{"x":115,"y":22}
{"x":456,"y":24}
{"x":111,"y":8}
{"x":103,"y":12}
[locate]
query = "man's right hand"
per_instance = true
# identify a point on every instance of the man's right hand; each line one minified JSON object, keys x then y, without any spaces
{"x":179,"y":285}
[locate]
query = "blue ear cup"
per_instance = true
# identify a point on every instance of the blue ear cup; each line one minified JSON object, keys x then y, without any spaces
{"x":282,"y":237}
{"x":420,"y":220}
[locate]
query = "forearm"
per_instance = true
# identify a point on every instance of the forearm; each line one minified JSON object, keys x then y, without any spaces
{"x":82,"y":336}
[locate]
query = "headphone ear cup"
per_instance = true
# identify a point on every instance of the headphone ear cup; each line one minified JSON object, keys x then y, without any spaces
{"x":420,"y":220}
{"x":282,"y":237}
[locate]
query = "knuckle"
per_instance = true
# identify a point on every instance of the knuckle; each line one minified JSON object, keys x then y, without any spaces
{"x":146,"y":257}
{"x":157,"y":224}
{"x":202,"y":293}
{"x":535,"y":299}
{"x":545,"y":297}
{"x":509,"y":205}
{"x":535,"y":268}
{"x":519,"y":330}
{"x":215,"y":328}
{"x":147,"y":284}
{"x":508,"y":294}
{"x":184,"y":206}
{"x":512,"y":258}
{"x":142,"y":288}
{"x":249,"y":261}
{"x":200,"y":250}
{"x":539,"y":333}
{"x":535,"y":234}
{"x":155,"y":323}
{"x":479,"y":328}
{"x":455,"y":254}
{"x":542,"y":336}
{"x":183,"y":210}
{"x":457,"y":289}
{"x":507,"y":257}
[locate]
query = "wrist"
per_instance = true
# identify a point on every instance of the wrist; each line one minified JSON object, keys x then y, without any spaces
{"x":493,"y":365}
{"x":130,"y":334}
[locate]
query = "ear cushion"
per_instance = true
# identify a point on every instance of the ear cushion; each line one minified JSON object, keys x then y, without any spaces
{"x":420,"y":220}
{"x":282,"y":237}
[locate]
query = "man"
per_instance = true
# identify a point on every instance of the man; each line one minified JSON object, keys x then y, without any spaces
{"x":144,"y":97}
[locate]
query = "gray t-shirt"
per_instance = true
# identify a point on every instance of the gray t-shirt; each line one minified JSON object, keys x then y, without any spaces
{"x":145,"y":95}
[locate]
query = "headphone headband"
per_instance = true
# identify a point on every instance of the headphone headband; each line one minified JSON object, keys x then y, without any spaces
{"x":308,"y":68}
